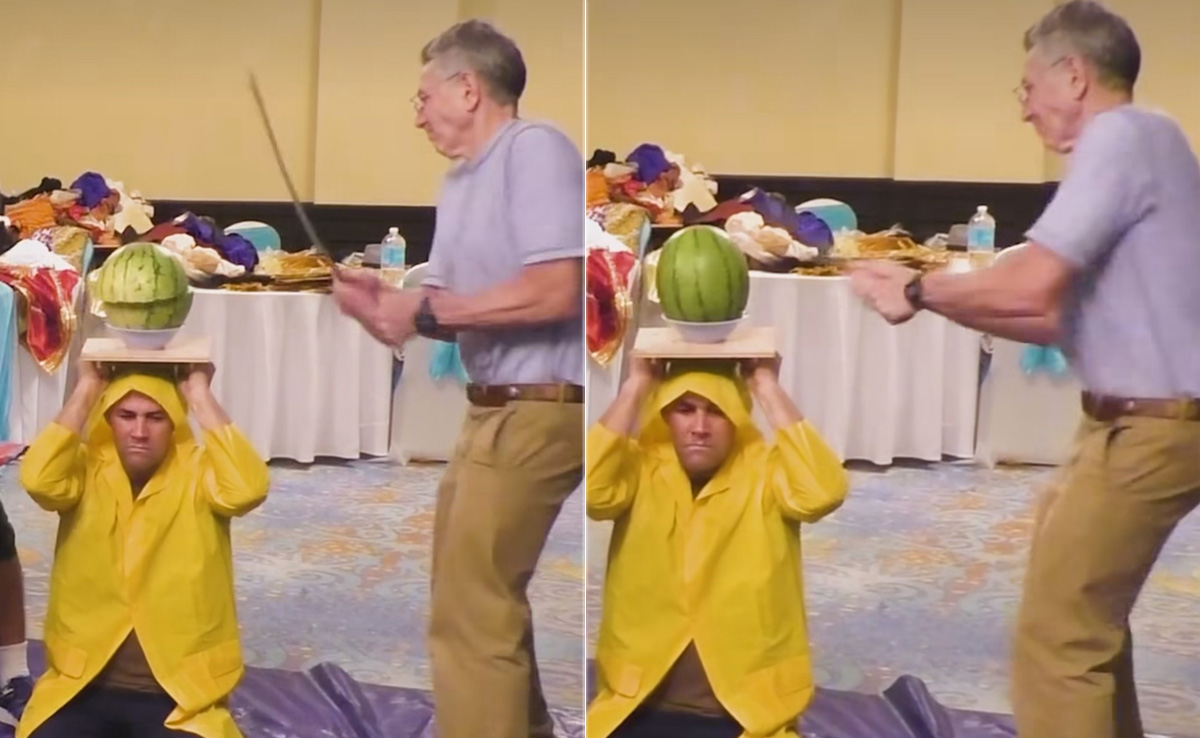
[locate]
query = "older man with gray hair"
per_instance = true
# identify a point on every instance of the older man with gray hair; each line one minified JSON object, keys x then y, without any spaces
{"x":505,"y":280}
{"x":1110,"y":273}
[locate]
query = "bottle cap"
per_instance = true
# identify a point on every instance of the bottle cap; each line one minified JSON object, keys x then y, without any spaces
{"x":393,"y":231}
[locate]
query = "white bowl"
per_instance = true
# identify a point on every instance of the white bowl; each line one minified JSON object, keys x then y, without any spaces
{"x":705,"y":332}
{"x":143,"y":340}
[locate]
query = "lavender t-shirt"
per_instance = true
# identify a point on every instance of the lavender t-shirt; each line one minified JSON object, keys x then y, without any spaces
{"x":519,"y":202}
{"x":1127,"y":216}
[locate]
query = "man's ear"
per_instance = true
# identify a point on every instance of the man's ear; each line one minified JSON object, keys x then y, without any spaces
{"x":473,"y":90}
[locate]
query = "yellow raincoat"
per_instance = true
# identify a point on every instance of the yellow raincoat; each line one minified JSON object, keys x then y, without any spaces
{"x":721,"y":570}
{"x":161,"y":563}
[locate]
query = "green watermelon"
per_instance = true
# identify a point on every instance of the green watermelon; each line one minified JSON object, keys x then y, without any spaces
{"x":143,"y":286}
{"x":150,"y":316}
{"x":702,"y":276}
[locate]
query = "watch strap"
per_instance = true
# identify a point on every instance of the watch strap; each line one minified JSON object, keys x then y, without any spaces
{"x":914,"y":293}
{"x":425,"y":321}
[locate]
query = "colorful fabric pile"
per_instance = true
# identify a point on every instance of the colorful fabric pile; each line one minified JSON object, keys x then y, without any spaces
{"x":776,"y":221}
{"x":203,"y":233}
{"x":102,"y":210}
{"x":653,"y":178}
{"x":99,"y":206}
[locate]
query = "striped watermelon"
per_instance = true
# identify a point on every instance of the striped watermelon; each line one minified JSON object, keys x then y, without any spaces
{"x":143,"y":286}
{"x":702,"y":276}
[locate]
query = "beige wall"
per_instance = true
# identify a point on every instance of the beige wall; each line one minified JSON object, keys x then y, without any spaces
{"x":154,"y":92}
{"x":912,"y":89}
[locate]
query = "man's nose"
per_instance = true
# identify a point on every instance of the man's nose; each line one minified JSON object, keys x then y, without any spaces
{"x":140,"y":428}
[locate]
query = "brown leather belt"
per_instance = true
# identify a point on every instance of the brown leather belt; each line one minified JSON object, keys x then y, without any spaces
{"x":499,"y":395}
{"x":1105,"y":408}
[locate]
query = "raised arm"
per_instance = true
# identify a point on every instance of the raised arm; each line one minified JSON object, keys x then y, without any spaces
{"x":54,"y":468}
{"x":239,"y":478}
{"x":1106,"y":193}
{"x":806,"y":476}
{"x":613,"y":456}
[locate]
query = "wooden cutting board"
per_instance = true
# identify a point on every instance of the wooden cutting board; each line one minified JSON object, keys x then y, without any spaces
{"x":179,"y":351}
{"x":745,"y":342}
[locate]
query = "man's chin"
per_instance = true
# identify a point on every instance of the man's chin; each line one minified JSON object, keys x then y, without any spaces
{"x":699,"y":467}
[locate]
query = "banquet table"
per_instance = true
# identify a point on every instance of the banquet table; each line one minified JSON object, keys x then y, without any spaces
{"x":300,"y":379}
{"x":876,"y":392}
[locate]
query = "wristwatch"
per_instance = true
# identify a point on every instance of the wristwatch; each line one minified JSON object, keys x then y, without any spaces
{"x":425,"y":321}
{"x":914,"y":294}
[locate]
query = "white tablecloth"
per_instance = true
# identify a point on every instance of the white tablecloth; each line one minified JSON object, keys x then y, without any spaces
{"x":300,"y":379}
{"x":36,"y":396}
{"x":427,"y":414}
{"x":1025,"y":419}
{"x":297,"y":377}
{"x":876,"y":392}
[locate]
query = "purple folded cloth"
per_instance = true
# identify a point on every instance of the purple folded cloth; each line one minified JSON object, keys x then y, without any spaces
{"x":651,"y":162}
{"x":92,"y":188}
{"x":233,"y":248}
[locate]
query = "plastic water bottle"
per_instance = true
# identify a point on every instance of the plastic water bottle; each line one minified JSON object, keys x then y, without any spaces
{"x":391,"y":257}
{"x":981,"y":237}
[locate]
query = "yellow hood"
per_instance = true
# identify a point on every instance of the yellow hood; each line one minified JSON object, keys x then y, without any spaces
{"x":163,"y":391}
{"x":716,"y":381}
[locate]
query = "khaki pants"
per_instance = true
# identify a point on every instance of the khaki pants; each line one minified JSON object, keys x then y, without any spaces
{"x":1098,"y":533}
{"x":513,"y":468}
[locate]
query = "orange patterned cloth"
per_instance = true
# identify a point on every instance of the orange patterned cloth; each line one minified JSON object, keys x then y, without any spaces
{"x":30,"y":216}
{"x":46,"y":310}
{"x":597,"y":188}
{"x":609,"y":302}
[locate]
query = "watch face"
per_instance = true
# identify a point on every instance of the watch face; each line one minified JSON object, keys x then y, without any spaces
{"x":912,"y":292}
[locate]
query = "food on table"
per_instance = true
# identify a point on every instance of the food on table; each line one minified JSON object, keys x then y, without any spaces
{"x":142,"y":286}
{"x":821,"y":270}
{"x":702,"y":276}
{"x":301,"y":265}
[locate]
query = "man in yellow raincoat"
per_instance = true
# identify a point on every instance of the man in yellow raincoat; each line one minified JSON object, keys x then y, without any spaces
{"x":141,"y":630}
{"x":703,"y":630}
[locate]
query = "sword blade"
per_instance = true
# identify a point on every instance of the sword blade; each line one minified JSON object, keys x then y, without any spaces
{"x":304,"y":221}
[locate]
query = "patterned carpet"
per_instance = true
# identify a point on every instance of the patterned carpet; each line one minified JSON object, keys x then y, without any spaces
{"x":919,"y":574}
{"x":335,"y":568}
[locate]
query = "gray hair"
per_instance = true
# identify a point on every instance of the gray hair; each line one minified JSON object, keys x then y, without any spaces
{"x":478,"y":46}
{"x":1100,"y":36}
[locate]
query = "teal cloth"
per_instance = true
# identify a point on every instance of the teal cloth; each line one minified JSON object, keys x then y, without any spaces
{"x":8,"y":354}
{"x":1045,"y":359}
{"x":445,"y":362}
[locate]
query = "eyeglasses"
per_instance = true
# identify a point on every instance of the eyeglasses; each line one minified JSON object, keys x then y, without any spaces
{"x":1021,"y":91}
{"x":418,"y":100}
